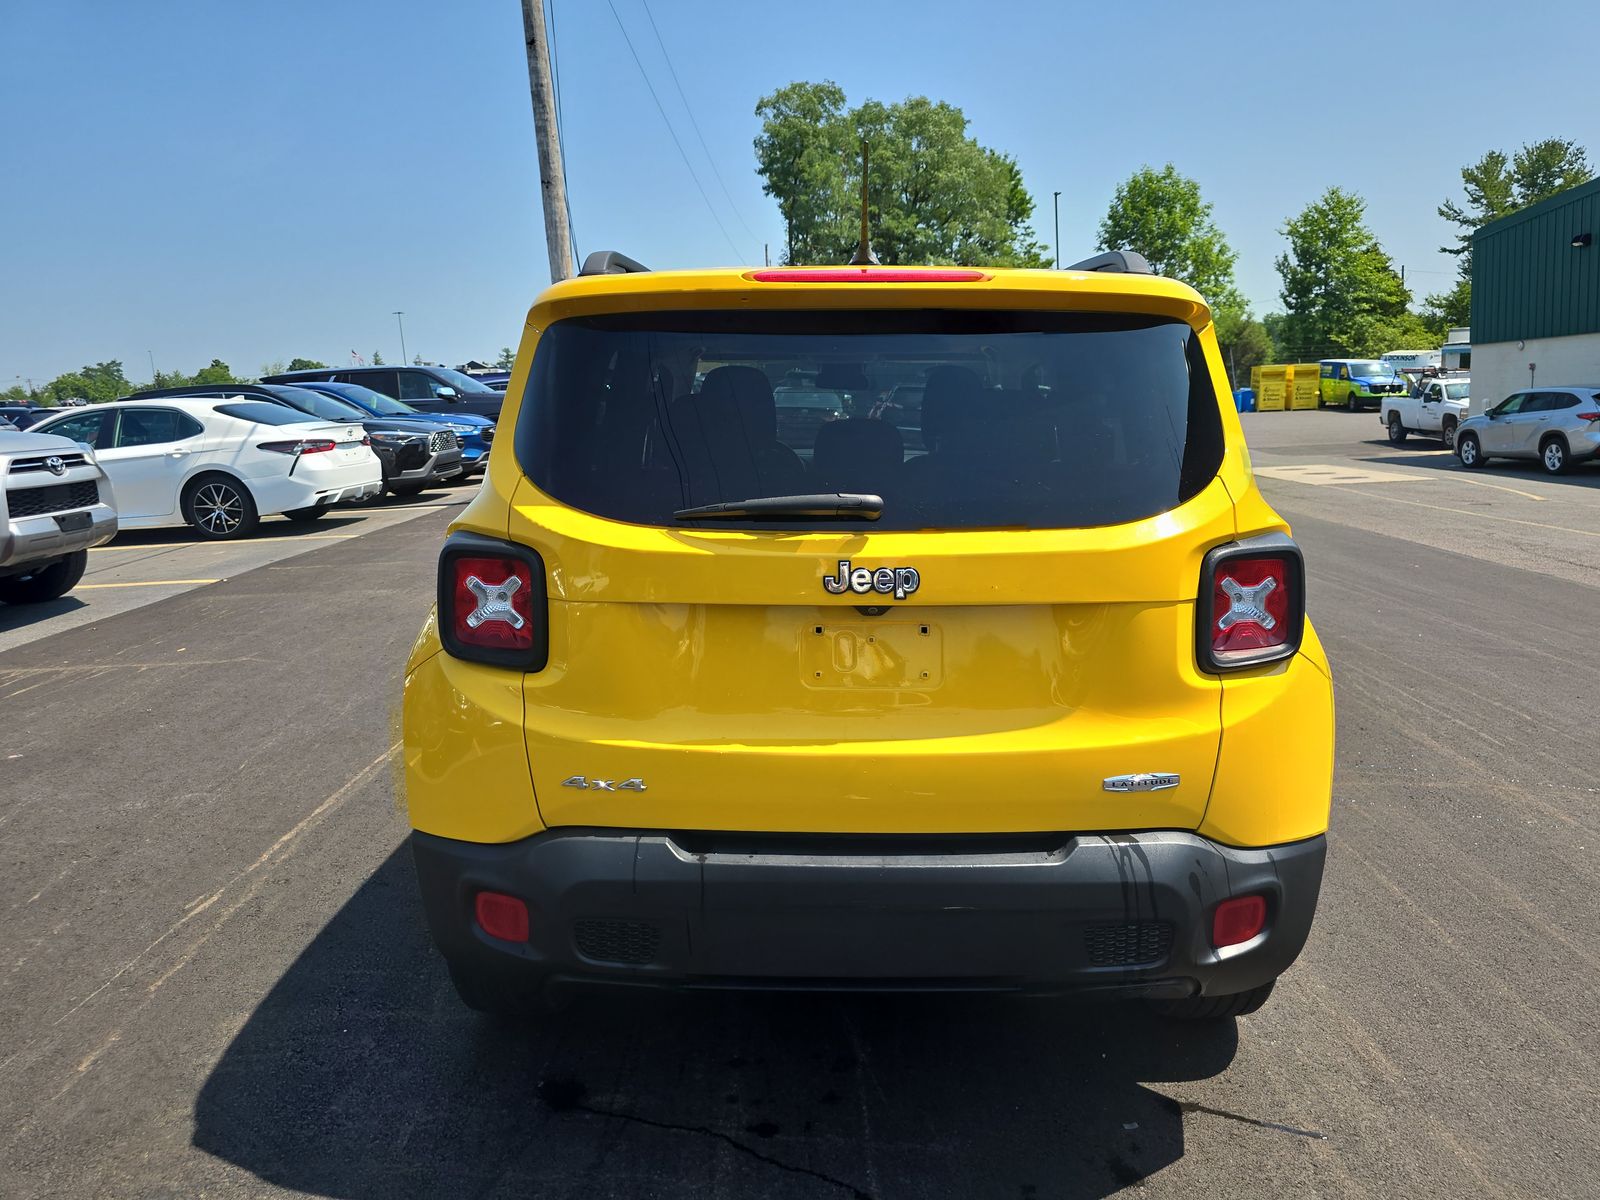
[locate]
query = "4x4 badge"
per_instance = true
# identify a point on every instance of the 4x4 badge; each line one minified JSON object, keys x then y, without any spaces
{"x":899,"y":582}
{"x":604,"y":785}
{"x":1146,"y":781}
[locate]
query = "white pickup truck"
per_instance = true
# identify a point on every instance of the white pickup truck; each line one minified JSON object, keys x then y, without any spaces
{"x":1434,"y":408}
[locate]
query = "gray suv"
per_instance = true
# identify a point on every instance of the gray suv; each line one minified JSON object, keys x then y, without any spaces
{"x":1557,"y":426}
{"x":55,"y":505}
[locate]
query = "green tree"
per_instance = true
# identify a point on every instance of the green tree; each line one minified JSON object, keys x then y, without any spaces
{"x":96,"y":384}
{"x":507,"y":359}
{"x":377,"y":359}
{"x":216,"y":371}
{"x":935,"y":195}
{"x":166,"y":379}
{"x":306,"y":364}
{"x":1496,"y":186}
{"x":1162,"y":215}
{"x":1340,"y":290}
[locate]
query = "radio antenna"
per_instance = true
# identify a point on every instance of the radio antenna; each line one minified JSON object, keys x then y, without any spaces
{"x":864,"y":257}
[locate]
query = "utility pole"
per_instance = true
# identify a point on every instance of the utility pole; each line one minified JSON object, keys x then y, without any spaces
{"x":1058,"y":230}
{"x":400,"y":320}
{"x":552,"y":174}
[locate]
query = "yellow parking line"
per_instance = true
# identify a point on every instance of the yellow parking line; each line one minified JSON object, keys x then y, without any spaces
{"x":83,"y":587}
{"x":148,"y":546}
{"x":1466,"y":512}
{"x":1499,"y":487}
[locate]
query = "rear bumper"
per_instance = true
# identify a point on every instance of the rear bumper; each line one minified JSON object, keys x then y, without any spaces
{"x":1122,"y":914}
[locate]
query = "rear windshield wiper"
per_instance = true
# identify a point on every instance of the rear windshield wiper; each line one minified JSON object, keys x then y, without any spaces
{"x":844,"y":506}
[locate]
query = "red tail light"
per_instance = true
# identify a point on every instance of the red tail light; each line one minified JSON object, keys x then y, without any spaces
{"x":1252,"y":603}
{"x":492,"y":604}
{"x":1238,"y":920}
{"x":502,"y":916}
{"x":303,"y":446}
{"x":1594,"y":416}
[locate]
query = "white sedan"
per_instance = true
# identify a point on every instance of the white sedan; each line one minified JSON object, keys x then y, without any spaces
{"x":221,"y":463}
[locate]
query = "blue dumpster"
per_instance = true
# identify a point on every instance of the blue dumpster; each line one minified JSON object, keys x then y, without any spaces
{"x":1245,"y":400}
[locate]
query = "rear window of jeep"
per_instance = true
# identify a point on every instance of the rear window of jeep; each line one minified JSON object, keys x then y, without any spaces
{"x":1026,"y":420}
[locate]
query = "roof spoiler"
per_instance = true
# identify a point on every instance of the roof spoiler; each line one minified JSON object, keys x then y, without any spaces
{"x":1122,"y":262}
{"x":611,"y":262}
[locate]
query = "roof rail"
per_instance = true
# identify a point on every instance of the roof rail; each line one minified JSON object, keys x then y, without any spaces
{"x":1120,"y":261}
{"x":611,"y":262}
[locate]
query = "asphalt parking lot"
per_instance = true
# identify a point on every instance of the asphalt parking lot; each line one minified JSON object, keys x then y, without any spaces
{"x":214,"y":979}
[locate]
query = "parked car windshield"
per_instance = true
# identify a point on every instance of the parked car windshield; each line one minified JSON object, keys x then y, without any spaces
{"x":321,"y":404}
{"x":1028,"y":420}
{"x":463,"y":383}
{"x":263,"y":413}
{"x":384,"y":406}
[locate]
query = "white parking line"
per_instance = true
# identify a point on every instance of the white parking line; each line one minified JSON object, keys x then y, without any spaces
{"x":84,"y":587}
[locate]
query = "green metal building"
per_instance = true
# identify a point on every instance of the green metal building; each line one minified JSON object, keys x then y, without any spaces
{"x":1536,"y":297}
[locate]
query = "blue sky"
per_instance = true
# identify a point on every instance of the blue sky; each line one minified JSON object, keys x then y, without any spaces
{"x":256,"y":181}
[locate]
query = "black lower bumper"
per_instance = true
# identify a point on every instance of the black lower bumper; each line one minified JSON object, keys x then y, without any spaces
{"x":1123,"y":913}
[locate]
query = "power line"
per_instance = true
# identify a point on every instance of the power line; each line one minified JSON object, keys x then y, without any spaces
{"x":561,"y":129}
{"x":696,"y":124}
{"x":672,"y":132}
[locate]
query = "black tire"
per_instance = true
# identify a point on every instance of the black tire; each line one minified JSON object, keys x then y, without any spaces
{"x":1350,"y":404}
{"x":49,"y":582}
{"x":1447,"y":433}
{"x":1555,"y":456}
{"x":1217,"y":1008}
{"x":1397,"y":431}
{"x":220,"y":508}
{"x":407,"y":489}
{"x":1470,"y":451}
{"x":497,"y":994}
{"x":304,"y":516}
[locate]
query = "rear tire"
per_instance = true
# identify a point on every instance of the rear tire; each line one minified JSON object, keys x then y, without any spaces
{"x":1397,"y":431}
{"x":1217,"y":1008}
{"x":1470,"y":451}
{"x":1447,"y":434}
{"x":304,"y":516}
{"x":407,"y":489}
{"x":220,"y":508}
{"x":47,"y":583}
{"x":1554,"y":456}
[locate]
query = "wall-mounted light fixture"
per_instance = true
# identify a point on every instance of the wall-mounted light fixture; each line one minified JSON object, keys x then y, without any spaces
{"x":1580,"y":240}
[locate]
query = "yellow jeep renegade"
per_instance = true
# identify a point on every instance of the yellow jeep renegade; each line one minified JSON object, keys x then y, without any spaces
{"x":870,"y":628}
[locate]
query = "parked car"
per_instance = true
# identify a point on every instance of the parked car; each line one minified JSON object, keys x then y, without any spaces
{"x":498,"y":380}
{"x":427,"y":389}
{"x":1433,"y":408}
{"x":24,"y":415}
{"x":415,"y":452}
{"x":902,"y":408}
{"x":1558,"y":426}
{"x":55,"y":506}
{"x":1037,"y":709}
{"x":803,"y":411}
{"x":221,"y":463}
{"x":1354,"y":383}
{"x":7,"y":427}
{"x":475,"y":433}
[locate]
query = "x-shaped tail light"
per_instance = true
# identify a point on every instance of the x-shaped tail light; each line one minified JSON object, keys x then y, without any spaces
{"x":494,"y":601}
{"x":1246,"y":603}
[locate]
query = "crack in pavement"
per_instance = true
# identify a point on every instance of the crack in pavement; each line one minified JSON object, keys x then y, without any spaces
{"x":567,"y":1095}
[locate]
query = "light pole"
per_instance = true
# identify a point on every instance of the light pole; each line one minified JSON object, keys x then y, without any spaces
{"x":153,"y":371}
{"x":400,"y":320}
{"x":1058,"y":230}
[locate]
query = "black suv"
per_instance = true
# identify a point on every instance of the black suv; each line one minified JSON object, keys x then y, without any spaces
{"x":428,"y":389}
{"x":414,"y":453}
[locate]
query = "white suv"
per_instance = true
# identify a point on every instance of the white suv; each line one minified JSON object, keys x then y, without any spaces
{"x":56,"y":503}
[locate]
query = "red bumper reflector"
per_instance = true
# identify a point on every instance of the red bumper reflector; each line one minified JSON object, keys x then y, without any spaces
{"x":502,"y":916}
{"x":866,"y":275}
{"x":1238,"y":920}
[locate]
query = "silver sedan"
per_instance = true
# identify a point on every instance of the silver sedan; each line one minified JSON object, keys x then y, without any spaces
{"x":1557,"y":426}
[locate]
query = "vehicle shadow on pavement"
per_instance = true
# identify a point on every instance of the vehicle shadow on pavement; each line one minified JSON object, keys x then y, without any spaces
{"x":1428,"y":457}
{"x":17,"y":616}
{"x":361,"y":1075}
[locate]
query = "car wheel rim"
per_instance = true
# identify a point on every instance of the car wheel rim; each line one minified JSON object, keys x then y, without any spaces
{"x":218,"y":508}
{"x":1552,"y":457}
{"x":1469,"y":451}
